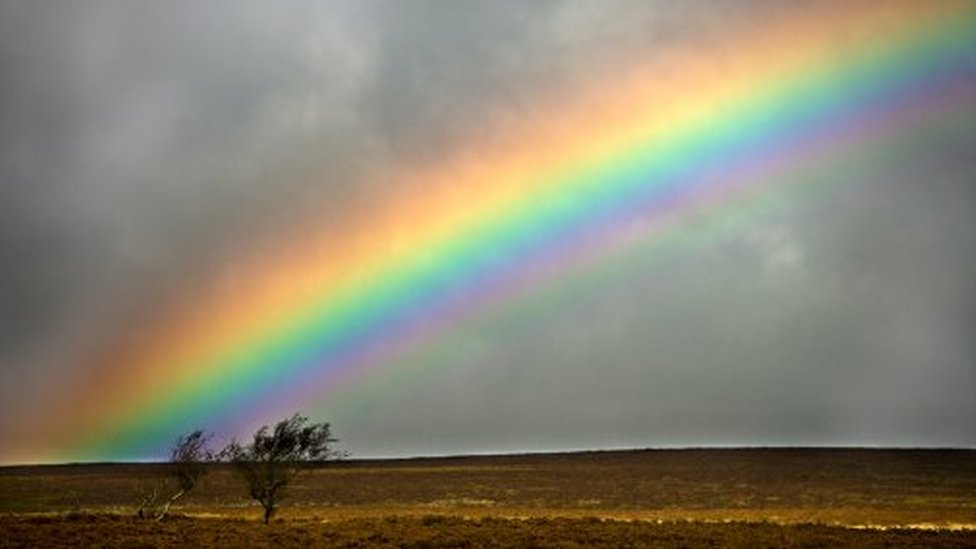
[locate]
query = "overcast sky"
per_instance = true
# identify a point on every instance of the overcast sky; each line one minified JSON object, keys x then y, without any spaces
{"x":143,"y":142}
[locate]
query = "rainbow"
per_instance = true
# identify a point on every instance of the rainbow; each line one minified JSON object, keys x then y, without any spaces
{"x":584,"y":177}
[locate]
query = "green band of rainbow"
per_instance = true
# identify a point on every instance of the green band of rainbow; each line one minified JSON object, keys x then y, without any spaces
{"x":721,"y":152}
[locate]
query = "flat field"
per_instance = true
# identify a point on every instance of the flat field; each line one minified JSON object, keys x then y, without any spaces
{"x":734,"y":497}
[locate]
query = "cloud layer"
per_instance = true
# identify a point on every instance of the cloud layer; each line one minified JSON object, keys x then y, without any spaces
{"x":144,"y":144}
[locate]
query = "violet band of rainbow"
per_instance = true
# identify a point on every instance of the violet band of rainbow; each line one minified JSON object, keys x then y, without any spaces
{"x":721,"y":150}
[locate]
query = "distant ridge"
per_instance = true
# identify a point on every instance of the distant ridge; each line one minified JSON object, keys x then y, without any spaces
{"x":536,"y":456}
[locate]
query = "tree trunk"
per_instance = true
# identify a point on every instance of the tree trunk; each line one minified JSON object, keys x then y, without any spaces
{"x":169,"y":503}
{"x":268,"y":511}
{"x":148,"y":501}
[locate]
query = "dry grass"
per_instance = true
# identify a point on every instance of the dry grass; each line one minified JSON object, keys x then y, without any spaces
{"x":82,"y":530}
{"x":771,"y":497}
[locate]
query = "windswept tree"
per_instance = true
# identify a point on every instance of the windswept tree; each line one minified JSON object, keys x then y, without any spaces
{"x":188,"y":462}
{"x":275,"y":456}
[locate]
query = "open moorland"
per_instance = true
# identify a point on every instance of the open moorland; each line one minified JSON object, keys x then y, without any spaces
{"x":734,"y":497}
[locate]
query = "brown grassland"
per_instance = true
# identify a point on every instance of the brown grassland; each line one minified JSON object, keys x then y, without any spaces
{"x":661,"y":498}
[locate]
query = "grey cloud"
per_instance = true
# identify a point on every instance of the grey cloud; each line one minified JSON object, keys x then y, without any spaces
{"x":141,"y":143}
{"x":138,"y":138}
{"x":865,"y":340}
{"x":136,"y":141}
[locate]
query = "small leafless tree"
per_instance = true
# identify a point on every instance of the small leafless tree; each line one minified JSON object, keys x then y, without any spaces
{"x":275,"y":456}
{"x":148,"y":496}
{"x":189,"y":461}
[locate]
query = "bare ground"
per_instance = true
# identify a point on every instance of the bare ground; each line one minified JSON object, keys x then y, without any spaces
{"x":744,"y":497}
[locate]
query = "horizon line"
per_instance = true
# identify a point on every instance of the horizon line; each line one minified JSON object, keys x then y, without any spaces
{"x":543,"y":453}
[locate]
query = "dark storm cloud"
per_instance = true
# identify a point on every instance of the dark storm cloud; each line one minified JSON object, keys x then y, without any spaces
{"x":139,"y":141}
{"x":842,"y":317}
{"x":137,"y":137}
